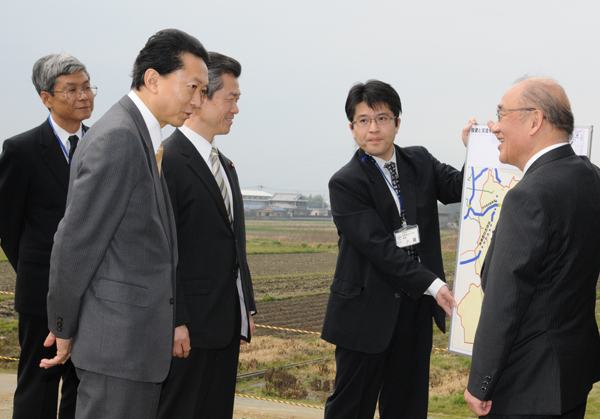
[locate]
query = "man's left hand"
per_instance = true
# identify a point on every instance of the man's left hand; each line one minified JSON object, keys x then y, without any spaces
{"x":252,"y":327}
{"x":480,"y":408}
{"x":467,"y":129}
{"x":445,"y":300}
{"x":181,"y":342}
{"x":63,"y":351}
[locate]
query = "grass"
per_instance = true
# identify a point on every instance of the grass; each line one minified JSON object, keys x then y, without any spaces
{"x":9,"y":344}
{"x":2,"y":256}
{"x":269,"y":246}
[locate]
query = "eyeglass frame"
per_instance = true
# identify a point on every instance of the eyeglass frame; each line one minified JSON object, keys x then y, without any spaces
{"x":375,"y":119}
{"x":81,"y":90}
{"x":508,"y":110}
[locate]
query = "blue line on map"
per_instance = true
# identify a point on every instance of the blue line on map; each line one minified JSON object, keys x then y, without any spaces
{"x":474,"y":179}
{"x":498,"y":177}
{"x":471,"y":260}
{"x":481,"y":214}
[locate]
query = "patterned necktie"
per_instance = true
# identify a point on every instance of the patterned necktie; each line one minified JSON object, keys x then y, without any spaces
{"x":218,"y":174}
{"x":391,"y":166}
{"x":73,"y":140}
{"x":159,"y":156}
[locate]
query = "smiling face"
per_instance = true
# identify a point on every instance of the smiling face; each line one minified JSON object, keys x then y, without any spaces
{"x":216,"y":115}
{"x":511,"y":129}
{"x":376,"y":140}
{"x":179,"y":92}
{"x":68,"y":114}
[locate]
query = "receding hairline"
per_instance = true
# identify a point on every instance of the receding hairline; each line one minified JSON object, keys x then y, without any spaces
{"x":544,"y":83}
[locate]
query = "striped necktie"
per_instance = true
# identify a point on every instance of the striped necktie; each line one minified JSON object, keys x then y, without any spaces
{"x":159,"y":156}
{"x":391,"y":166}
{"x":218,"y":174}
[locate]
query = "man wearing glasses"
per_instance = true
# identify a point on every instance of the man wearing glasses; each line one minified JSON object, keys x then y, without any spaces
{"x":389,"y":278}
{"x":34,"y":177}
{"x":537,"y":343}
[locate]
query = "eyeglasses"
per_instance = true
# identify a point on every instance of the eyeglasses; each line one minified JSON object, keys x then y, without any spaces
{"x":508,"y":110}
{"x":75,"y":94}
{"x":379,"y":120}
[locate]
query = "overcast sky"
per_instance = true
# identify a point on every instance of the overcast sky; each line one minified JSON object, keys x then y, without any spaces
{"x":448,"y":60}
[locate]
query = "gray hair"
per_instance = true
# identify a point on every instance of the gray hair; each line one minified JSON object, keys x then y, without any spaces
{"x":218,"y":65}
{"x":548,"y":96}
{"x":47,"y":69}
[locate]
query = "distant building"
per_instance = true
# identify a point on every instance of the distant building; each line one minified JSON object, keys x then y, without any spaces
{"x":256,"y":197}
{"x":295,"y":204}
{"x":271,"y":211}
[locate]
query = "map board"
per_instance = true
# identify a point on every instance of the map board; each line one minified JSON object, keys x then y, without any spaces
{"x":486,"y":182}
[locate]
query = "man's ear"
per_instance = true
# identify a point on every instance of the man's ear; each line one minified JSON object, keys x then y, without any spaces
{"x":151,"y":80}
{"x":47,"y":99}
{"x":535,"y":122}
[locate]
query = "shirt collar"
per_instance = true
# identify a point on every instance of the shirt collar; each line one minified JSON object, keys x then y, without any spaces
{"x":540,"y":154}
{"x":382,"y":162}
{"x":149,"y":119}
{"x":64,"y":135}
{"x":199,"y":142}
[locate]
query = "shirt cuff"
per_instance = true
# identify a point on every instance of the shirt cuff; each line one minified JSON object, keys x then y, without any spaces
{"x":434,"y":288}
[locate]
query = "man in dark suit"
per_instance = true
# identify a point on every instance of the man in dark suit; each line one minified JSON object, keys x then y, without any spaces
{"x":213,"y":269}
{"x":34,"y":177}
{"x":537,"y":347}
{"x":112,"y":270}
{"x":384,"y":292}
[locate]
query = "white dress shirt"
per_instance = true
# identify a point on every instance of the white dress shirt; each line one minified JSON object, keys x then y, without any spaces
{"x":151,"y":122}
{"x":63,"y":136}
{"x":540,"y":154}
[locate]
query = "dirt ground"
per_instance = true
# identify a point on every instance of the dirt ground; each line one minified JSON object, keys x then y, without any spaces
{"x":304,"y":313}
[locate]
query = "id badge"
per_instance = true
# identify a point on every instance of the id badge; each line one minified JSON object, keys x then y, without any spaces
{"x":407,"y":236}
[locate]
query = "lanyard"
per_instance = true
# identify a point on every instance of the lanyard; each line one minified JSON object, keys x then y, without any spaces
{"x":64,"y":149}
{"x":402,"y":214}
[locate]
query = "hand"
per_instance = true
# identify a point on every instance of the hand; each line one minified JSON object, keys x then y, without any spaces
{"x":252,"y":327}
{"x":477,"y":406}
{"x":63,"y":351}
{"x":181,"y":342}
{"x":445,"y":300}
{"x":467,"y":129}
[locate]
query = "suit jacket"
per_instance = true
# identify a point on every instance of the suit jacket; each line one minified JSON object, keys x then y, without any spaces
{"x":112,"y":269}
{"x":372,"y":272}
{"x":210,"y":252}
{"x":34,"y":178}
{"x":537,"y":344}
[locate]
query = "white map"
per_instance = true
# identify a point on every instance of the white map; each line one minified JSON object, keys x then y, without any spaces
{"x":486,"y":182}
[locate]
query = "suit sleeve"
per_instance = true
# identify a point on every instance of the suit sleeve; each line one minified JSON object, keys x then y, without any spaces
{"x":14,"y":179}
{"x":359,"y":222}
{"x":103,"y":181}
{"x":511,"y":279}
{"x":182,"y":316}
{"x":449,"y":181}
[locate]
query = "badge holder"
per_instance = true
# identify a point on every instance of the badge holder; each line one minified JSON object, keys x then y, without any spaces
{"x":407,"y":236}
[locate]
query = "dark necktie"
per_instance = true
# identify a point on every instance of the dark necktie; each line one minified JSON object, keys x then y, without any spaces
{"x":73,"y":140}
{"x":391,"y":166}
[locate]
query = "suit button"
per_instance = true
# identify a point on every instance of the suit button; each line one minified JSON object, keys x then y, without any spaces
{"x":483,"y":389}
{"x":487,"y":377}
{"x":59,"y":319}
{"x":172,"y":301}
{"x":397,"y":295}
{"x":485,"y":383}
{"x":59,"y":328}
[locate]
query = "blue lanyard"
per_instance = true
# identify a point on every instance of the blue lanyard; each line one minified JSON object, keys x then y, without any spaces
{"x":392,"y":186}
{"x":64,"y":149}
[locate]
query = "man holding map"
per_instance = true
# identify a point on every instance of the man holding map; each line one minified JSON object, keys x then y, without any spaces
{"x":537,"y":343}
{"x":386,"y":289}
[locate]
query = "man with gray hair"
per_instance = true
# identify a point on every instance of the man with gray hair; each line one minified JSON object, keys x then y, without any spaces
{"x":34,"y":177}
{"x":536,"y":347}
{"x":209,"y":215}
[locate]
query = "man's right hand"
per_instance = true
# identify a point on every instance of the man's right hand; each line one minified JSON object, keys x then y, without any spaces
{"x":63,"y":351}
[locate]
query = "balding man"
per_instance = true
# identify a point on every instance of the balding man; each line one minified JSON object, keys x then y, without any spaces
{"x":537,"y":345}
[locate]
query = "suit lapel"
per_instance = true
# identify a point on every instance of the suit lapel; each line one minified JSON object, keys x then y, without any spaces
{"x":197,"y":165}
{"x":384,"y":200}
{"x":53,"y":155}
{"x":128,"y":104}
